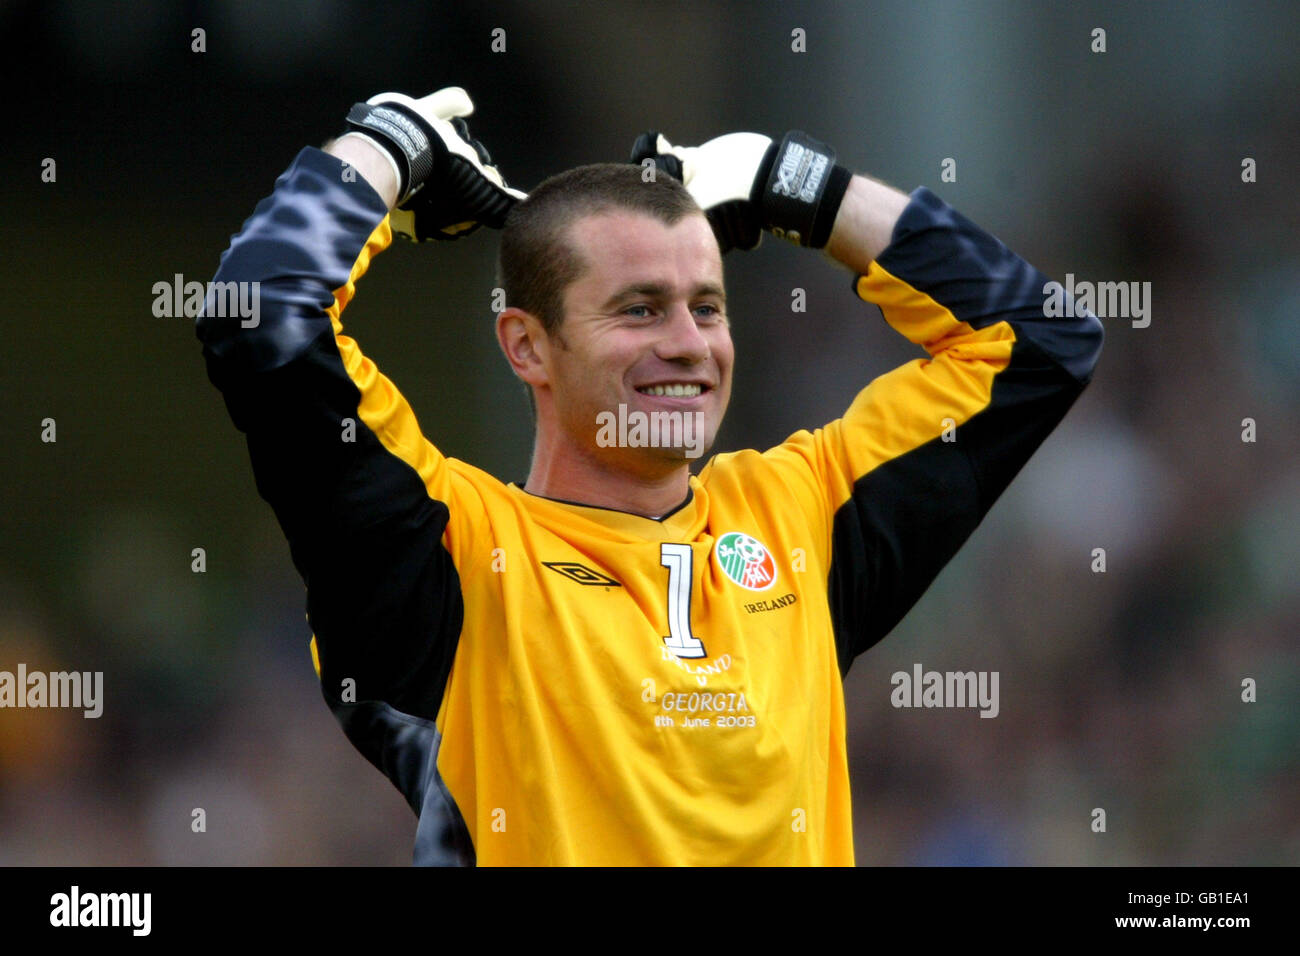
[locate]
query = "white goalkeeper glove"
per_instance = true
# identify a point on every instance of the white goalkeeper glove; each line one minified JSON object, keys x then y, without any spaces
{"x":746,"y":182}
{"x":447,"y":185}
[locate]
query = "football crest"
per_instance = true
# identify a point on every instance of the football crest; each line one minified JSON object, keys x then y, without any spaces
{"x":745,"y":560}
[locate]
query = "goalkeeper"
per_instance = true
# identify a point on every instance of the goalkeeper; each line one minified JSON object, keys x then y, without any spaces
{"x":616,"y":661}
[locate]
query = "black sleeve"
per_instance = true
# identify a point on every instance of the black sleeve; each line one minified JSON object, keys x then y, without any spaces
{"x":1003,"y":371}
{"x":383,"y":597}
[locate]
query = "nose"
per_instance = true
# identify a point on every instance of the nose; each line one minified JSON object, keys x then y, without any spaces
{"x":682,"y":340}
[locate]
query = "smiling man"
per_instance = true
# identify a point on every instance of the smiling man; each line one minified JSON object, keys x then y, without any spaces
{"x":640,"y":333}
{"x":620,"y":662}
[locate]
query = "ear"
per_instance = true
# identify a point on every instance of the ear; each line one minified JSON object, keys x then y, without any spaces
{"x":525,"y":344}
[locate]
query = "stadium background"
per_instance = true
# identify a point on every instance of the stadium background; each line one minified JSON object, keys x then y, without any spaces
{"x":1118,"y":690}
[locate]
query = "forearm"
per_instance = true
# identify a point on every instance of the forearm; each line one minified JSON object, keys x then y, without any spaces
{"x":370,"y":162}
{"x":864,"y":225}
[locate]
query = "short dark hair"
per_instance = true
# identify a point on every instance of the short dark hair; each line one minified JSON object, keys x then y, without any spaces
{"x":537,"y":261}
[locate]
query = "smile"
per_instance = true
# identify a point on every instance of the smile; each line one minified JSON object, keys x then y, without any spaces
{"x":677,"y":390}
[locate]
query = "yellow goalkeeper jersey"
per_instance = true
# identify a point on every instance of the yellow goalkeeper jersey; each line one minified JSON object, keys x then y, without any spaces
{"x":549,"y":682}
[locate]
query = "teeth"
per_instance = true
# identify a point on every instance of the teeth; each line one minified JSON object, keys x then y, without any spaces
{"x":672,"y":391}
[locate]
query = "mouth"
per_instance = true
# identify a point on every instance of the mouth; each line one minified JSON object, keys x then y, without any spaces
{"x":685,"y":390}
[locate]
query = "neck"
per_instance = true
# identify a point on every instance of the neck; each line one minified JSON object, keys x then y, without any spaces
{"x":583,"y":478}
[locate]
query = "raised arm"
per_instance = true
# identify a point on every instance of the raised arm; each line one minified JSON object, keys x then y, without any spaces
{"x":864,"y":225}
{"x":362,"y":497}
{"x":924,"y":451}
{"x":896,"y":486}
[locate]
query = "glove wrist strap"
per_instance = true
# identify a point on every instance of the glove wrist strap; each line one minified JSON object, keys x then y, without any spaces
{"x":829,"y":206}
{"x":801,"y":189}
{"x":403,"y":136}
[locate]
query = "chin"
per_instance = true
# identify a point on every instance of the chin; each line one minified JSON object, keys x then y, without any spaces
{"x":687,"y":454}
{"x":658,"y":462}
{"x":666,"y":436}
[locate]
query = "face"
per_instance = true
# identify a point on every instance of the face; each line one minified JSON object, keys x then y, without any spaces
{"x":645,"y":327}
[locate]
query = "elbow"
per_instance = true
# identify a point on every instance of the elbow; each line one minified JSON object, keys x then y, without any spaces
{"x":260,"y":324}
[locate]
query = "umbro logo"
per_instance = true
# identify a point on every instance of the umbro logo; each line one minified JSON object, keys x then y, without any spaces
{"x":581,"y":573}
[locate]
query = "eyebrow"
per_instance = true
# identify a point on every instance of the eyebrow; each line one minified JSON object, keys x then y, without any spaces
{"x":657,"y":290}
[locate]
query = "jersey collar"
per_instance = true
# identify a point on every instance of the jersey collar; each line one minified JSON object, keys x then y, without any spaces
{"x":683,"y":521}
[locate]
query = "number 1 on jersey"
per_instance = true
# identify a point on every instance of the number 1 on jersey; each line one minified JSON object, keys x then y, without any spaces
{"x":679,"y":559}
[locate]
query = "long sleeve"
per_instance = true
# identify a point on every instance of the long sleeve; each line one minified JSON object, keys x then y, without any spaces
{"x":337,"y":453}
{"x":924,"y":451}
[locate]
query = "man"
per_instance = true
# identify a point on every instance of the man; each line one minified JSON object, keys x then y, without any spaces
{"x":619,"y":662}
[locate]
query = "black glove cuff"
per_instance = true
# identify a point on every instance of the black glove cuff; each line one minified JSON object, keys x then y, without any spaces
{"x":829,"y":206}
{"x":801,"y":191}
{"x":406,"y":138}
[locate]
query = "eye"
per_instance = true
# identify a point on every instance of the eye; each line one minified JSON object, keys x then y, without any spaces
{"x":637,"y":311}
{"x":708,"y":311}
